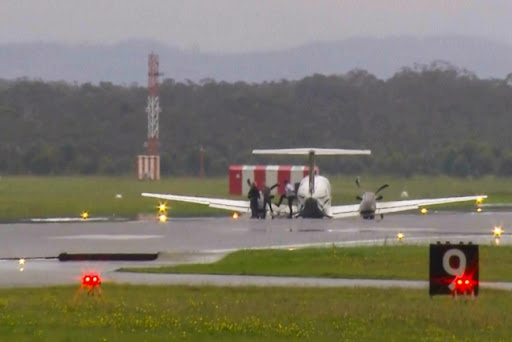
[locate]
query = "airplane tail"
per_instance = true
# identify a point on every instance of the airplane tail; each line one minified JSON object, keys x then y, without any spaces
{"x":311,"y":152}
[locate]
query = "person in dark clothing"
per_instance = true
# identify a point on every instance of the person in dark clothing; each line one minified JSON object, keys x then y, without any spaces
{"x":267,"y":198}
{"x":289,"y":194}
{"x":254,"y":196}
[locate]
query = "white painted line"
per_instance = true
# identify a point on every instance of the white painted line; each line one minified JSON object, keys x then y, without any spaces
{"x":240,"y":280}
{"x":68,"y":219}
{"x":390,"y":241}
{"x":403,"y":229}
{"x":342,"y":230}
{"x":105,"y":237}
{"x":383,"y":229}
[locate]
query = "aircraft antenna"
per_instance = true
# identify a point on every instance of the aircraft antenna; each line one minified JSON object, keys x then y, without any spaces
{"x":153,"y":108}
{"x":148,"y":166}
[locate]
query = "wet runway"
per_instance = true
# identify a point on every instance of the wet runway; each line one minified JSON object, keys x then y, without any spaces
{"x":207,"y":239}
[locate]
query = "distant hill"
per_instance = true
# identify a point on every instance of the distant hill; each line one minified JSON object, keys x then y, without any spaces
{"x":126,"y":62}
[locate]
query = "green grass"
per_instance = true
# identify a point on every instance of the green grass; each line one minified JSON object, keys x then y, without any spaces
{"x":376,"y":262}
{"x":27,"y":196}
{"x":185,"y":313}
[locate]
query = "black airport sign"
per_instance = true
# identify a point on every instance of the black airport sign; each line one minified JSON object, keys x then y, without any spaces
{"x":453,"y":269}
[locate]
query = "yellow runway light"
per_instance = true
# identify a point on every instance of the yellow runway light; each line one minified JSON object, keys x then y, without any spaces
{"x":84,"y":215}
{"x":22,"y":261}
{"x":478,"y":210}
{"x":479,"y":200}
{"x":497,"y":231}
{"x":162,"y":207}
{"x":400,"y":236}
{"x":162,"y":218}
{"x":423,"y":211}
{"x":235,"y":216}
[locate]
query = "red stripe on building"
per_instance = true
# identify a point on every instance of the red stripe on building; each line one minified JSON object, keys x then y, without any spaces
{"x":283,"y":174}
{"x":306,"y":170}
{"x":148,"y":167}
{"x":235,"y":179}
{"x":259,"y":175}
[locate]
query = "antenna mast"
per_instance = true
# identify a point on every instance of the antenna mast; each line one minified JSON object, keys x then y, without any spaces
{"x":153,"y":109}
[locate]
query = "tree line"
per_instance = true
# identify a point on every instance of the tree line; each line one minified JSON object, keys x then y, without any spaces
{"x":433,"y":119}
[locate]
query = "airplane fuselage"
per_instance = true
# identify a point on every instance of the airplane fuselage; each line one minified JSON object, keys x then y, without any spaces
{"x":314,"y":202}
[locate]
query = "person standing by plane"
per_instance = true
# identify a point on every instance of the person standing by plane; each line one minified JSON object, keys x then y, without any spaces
{"x":289,"y":193}
{"x":267,"y":197}
{"x":254,"y":196}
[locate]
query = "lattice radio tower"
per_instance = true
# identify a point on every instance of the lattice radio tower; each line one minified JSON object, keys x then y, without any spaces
{"x":153,"y":109}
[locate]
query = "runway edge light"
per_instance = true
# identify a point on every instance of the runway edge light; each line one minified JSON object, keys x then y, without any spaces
{"x":162,"y":218}
{"x":162,"y":212}
{"x":162,"y":207}
{"x":497,"y":231}
{"x":479,"y":201}
{"x":400,"y":236}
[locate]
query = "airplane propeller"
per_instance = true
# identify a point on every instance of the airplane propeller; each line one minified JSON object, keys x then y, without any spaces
{"x":377,"y":198}
{"x":359,"y":187}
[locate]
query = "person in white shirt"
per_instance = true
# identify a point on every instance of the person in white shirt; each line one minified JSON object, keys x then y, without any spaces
{"x":288,"y":194}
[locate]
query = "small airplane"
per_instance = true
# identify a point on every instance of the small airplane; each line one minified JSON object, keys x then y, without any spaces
{"x":368,"y":199}
{"x":314,"y":194}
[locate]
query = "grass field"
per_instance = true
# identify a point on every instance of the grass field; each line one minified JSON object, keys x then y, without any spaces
{"x":378,"y":262}
{"x":27,"y":197}
{"x":183,"y":313}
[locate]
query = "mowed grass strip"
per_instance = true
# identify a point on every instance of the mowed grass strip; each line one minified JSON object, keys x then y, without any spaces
{"x":31,"y":196}
{"x":184,"y":313}
{"x":370,"y":262}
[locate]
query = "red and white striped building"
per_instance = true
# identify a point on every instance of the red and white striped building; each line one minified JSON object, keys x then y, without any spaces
{"x":268,"y":174}
{"x":148,"y":167}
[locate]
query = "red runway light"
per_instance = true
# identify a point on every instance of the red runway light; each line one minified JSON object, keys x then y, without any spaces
{"x":464,"y":284}
{"x":91,"y":280}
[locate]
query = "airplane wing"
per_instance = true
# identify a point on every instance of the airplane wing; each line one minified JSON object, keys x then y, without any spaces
{"x":396,"y":206}
{"x":317,"y":151}
{"x":219,"y":203}
{"x":351,"y":210}
{"x":341,"y":211}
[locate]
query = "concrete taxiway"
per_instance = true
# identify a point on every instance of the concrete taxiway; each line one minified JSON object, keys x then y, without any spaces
{"x":207,"y":239}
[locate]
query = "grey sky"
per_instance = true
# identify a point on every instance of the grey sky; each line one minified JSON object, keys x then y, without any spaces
{"x":247,"y":25}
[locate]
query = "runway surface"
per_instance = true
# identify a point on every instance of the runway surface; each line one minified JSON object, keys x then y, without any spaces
{"x":208,"y":239}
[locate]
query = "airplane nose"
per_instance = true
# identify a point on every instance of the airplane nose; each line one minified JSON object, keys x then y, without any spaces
{"x":311,"y":209}
{"x":364,"y":207}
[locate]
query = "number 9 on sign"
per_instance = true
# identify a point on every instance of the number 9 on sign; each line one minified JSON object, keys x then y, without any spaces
{"x":453,"y":269}
{"x":458,"y":271}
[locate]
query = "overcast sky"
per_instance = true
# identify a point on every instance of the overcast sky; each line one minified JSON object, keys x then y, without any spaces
{"x":247,"y":25}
